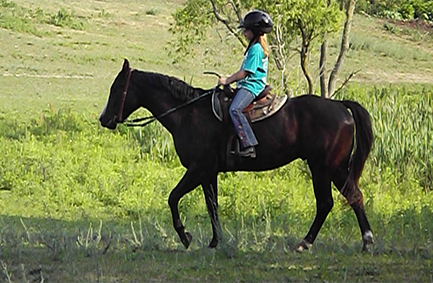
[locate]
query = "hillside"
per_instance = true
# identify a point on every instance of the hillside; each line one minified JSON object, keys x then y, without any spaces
{"x":45,"y":40}
{"x":387,"y":51}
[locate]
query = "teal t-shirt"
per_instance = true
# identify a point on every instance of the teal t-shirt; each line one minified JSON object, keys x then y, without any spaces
{"x":256,"y":64}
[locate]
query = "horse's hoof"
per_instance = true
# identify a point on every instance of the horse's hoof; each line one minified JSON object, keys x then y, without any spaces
{"x":213,"y":243}
{"x":187,"y":241}
{"x":303,"y":246}
{"x":368,"y":242}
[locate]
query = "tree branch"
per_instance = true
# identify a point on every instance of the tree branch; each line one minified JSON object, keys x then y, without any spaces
{"x":304,"y":56}
{"x":346,"y":81}
{"x":227,"y":24}
{"x":237,"y":10}
{"x":279,"y":55}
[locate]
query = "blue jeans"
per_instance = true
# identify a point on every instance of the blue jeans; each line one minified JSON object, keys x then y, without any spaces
{"x":243,"y":129}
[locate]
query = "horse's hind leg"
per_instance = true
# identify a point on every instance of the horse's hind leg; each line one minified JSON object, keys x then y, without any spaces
{"x":355,"y":199}
{"x":211,"y":196}
{"x":324,"y":204}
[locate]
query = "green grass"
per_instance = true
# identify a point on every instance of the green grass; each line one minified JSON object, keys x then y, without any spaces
{"x":79,"y":203}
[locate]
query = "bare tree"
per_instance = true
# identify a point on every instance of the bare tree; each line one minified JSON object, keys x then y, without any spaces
{"x":343,"y":48}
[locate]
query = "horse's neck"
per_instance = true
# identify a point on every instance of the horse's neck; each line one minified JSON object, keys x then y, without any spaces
{"x":159,"y":100}
{"x":162,"y":94}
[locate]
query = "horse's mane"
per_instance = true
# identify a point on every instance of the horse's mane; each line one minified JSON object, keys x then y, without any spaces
{"x":178,"y":88}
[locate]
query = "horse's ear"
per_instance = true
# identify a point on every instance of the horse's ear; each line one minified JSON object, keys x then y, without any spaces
{"x":125,"y":65}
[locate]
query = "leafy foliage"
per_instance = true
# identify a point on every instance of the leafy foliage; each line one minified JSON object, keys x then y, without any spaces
{"x":293,"y":19}
{"x":399,"y":9}
{"x":196,"y":16}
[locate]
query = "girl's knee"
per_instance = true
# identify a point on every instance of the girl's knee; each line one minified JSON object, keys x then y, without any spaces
{"x":235,"y":111}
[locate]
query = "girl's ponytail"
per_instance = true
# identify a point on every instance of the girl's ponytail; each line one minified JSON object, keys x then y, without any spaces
{"x":264,"y":43}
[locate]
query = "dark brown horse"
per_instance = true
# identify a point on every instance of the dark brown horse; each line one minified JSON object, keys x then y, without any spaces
{"x":320,"y":131}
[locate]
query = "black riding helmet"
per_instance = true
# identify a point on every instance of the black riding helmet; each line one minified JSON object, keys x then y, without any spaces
{"x":258,"y":22}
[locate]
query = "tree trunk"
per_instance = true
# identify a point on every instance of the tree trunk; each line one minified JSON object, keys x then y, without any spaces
{"x":344,"y":46}
{"x":342,"y":5}
{"x":322,"y":65}
{"x":322,"y":69}
{"x":304,"y":66}
{"x":304,"y":57}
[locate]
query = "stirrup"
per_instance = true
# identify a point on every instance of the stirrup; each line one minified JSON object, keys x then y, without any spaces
{"x":248,"y":152}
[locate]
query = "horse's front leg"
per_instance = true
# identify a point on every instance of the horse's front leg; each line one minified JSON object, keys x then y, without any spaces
{"x":188,"y":182}
{"x":324,"y":204}
{"x":211,"y":196}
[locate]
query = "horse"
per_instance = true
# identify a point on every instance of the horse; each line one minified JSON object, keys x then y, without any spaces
{"x":334,"y":142}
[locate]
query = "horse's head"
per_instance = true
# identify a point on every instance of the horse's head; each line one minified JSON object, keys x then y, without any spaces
{"x":122,"y":100}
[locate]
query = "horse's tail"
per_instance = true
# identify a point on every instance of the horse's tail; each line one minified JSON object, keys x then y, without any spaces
{"x":364,"y":141}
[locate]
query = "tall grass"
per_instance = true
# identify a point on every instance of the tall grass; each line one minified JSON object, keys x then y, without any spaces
{"x":68,"y":162}
{"x":386,"y":48}
{"x":402,"y":122}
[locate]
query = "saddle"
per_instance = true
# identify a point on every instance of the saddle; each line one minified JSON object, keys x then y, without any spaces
{"x":264,"y":106}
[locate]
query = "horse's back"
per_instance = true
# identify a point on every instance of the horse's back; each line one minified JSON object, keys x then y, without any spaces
{"x":320,"y":109}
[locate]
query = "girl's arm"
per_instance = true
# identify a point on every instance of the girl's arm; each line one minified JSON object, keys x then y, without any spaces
{"x":239,"y":75}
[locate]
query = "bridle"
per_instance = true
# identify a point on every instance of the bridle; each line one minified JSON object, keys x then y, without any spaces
{"x":135,"y":122}
{"x":125,"y":92}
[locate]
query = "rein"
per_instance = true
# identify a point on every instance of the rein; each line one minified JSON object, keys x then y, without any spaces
{"x":136,"y":122}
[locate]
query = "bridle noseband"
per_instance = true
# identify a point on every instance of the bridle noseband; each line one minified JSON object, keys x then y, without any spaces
{"x":125,"y":92}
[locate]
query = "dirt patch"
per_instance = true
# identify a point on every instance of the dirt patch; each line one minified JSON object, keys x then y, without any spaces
{"x":393,"y":77}
{"x":417,"y":24}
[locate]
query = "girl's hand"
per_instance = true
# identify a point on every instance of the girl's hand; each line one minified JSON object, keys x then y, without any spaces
{"x":222,"y":81}
{"x":239,"y":75}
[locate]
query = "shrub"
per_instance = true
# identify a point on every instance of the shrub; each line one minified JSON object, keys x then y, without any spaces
{"x":398,"y":9}
{"x":64,"y":18}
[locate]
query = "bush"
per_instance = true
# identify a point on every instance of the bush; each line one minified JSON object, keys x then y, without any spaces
{"x":64,"y":18}
{"x":398,"y":9}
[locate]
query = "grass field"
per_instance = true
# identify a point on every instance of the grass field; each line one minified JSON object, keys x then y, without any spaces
{"x":79,"y":203}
